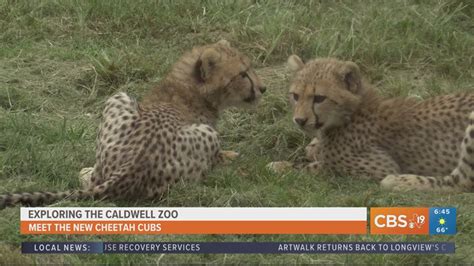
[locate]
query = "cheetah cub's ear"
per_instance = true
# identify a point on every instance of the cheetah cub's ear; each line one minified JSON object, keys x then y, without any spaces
{"x":224,"y":42}
{"x":207,"y":63}
{"x":350,"y":74}
{"x":295,"y":63}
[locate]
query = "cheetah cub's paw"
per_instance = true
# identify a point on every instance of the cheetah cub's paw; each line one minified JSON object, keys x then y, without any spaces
{"x":227,"y":156}
{"x":280,"y":166}
{"x":401,"y":183}
{"x":312,"y":150}
{"x":85,"y":176}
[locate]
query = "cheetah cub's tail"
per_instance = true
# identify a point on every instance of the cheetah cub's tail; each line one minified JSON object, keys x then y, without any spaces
{"x":41,"y":198}
{"x":460,"y":179}
{"x":45,"y":198}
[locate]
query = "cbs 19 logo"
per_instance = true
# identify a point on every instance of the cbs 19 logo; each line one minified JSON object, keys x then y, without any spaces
{"x":399,"y":221}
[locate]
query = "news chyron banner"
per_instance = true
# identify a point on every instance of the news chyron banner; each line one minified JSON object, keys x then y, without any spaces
{"x":138,"y":221}
{"x":153,"y":221}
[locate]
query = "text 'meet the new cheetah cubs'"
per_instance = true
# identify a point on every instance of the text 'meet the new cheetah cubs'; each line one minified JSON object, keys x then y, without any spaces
{"x":406,"y":143}
{"x":143,"y":148}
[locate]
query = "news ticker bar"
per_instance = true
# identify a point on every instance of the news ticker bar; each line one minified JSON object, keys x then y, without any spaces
{"x":238,"y":247}
{"x":333,"y":220}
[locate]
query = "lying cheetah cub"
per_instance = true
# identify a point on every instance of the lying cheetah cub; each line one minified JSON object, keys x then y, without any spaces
{"x":143,"y":148}
{"x":405,"y":143}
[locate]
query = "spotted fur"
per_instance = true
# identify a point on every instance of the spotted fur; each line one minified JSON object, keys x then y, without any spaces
{"x":461,"y":178}
{"x":145,"y":147}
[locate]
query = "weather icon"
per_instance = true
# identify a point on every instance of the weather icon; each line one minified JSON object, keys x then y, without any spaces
{"x":442,"y":221}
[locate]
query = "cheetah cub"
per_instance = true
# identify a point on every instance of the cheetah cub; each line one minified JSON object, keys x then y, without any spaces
{"x":145,"y":147}
{"x":405,"y":143}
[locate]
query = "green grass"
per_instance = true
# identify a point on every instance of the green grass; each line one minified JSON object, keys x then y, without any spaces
{"x":59,"y":60}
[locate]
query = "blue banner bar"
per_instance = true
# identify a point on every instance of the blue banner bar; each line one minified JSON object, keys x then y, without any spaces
{"x":239,"y":247}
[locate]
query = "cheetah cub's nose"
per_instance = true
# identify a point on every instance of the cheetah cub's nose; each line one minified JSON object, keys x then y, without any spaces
{"x":301,"y":121}
{"x":263,"y":89}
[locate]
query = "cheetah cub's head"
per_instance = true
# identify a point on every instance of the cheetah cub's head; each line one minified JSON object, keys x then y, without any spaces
{"x":227,"y":76}
{"x":324,"y":93}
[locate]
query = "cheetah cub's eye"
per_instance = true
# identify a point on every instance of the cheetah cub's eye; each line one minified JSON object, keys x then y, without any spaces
{"x":295,"y":96}
{"x":319,"y":98}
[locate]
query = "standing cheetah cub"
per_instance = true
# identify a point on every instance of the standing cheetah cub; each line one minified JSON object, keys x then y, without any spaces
{"x":405,"y":143}
{"x":143,"y":148}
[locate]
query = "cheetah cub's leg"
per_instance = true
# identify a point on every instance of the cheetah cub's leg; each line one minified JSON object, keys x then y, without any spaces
{"x":280,"y":166}
{"x":312,"y":150}
{"x":460,"y":179}
{"x":285,"y":166}
{"x":312,"y":155}
{"x":85,"y":176}
{"x":225,"y":157}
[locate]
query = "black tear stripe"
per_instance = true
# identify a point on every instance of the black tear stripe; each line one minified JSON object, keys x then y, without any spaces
{"x":252,"y":96}
{"x":317,"y":124}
